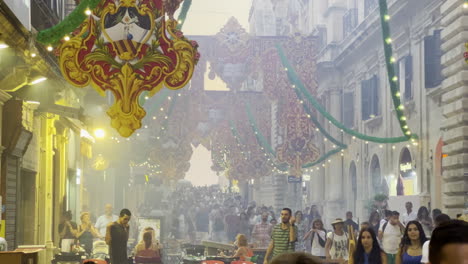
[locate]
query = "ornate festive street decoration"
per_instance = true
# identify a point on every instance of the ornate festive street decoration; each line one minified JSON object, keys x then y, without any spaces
{"x":127,"y":47}
{"x":173,"y":156}
{"x":298,"y":148}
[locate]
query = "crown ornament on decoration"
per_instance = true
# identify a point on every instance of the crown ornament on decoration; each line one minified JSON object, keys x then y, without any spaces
{"x":128,"y":47}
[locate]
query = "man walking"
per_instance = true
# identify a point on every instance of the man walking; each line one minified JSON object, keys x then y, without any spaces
{"x":261,"y":233}
{"x":390,"y":234}
{"x":104,"y":220}
{"x":117,"y":237}
{"x":410,"y":215}
{"x":283,"y":237}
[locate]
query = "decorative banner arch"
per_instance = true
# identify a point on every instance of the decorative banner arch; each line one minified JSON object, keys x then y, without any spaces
{"x":127,"y":47}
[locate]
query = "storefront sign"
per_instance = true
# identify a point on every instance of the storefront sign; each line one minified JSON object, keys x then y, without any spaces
{"x":406,"y":167}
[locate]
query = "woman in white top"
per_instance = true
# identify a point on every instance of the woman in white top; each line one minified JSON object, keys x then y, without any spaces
{"x":318,"y":238}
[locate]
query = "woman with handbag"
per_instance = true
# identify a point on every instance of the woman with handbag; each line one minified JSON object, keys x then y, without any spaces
{"x":318,"y":238}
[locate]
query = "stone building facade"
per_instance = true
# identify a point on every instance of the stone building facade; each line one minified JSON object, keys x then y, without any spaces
{"x":428,"y":43}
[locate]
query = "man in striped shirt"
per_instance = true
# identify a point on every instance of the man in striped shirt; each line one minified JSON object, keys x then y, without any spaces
{"x":283,"y":237}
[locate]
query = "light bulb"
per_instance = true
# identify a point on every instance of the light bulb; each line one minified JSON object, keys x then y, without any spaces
{"x":66,"y":38}
{"x":88,"y":12}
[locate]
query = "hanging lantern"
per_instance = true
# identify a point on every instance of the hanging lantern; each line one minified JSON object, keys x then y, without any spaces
{"x":128,"y":47}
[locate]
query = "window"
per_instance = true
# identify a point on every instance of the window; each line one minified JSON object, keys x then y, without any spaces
{"x":370,"y":98}
{"x":348,"y":109}
{"x":432,"y":60}
{"x":369,"y":6}
{"x":404,"y":71}
{"x":350,"y":21}
{"x":408,"y":95}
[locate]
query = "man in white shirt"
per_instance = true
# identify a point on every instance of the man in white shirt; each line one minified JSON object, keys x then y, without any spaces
{"x":409,"y":215}
{"x":390,"y":234}
{"x":105,"y":219}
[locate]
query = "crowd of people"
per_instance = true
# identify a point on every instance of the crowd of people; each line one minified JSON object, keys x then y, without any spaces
{"x":208,"y":213}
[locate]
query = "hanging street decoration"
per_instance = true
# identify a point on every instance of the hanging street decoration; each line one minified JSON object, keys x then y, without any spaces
{"x":392,"y":77}
{"x":298,"y":84}
{"x":127,"y":47}
{"x":299,"y":148}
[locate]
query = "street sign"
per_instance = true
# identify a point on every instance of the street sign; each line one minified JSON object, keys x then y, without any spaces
{"x":294,"y":179}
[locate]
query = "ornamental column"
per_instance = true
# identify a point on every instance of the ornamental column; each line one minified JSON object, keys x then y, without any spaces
{"x":334,"y":165}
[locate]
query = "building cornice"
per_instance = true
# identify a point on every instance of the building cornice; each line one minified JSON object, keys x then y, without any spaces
{"x":4,"y":96}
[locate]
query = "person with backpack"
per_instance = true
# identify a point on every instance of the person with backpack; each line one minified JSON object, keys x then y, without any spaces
{"x":390,"y":234}
{"x":318,"y":239}
{"x":337,"y":246}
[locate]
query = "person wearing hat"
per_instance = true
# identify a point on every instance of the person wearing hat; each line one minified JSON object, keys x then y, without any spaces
{"x":337,"y":244}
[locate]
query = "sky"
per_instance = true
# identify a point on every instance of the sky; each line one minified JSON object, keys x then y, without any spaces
{"x":200,"y":173}
{"x":207,"y":17}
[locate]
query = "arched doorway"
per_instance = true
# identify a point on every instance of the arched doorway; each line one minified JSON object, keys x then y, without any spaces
{"x":375,"y":175}
{"x":353,"y":177}
{"x":407,"y":178}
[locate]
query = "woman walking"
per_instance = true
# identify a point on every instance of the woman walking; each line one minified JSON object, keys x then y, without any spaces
{"x":374,"y":221}
{"x":368,"y":250}
{"x":318,"y":239}
{"x":410,"y":251}
{"x":425,"y":220}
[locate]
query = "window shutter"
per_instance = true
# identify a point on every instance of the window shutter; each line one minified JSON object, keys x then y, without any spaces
{"x":375,"y":95}
{"x":408,"y":77}
{"x":438,"y":57}
{"x":365,"y":99}
{"x":348,"y":109}
{"x":432,"y":60}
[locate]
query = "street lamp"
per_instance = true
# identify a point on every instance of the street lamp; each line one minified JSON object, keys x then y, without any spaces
{"x":99,"y":133}
{"x":38,"y":80}
{"x":3,"y":45}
